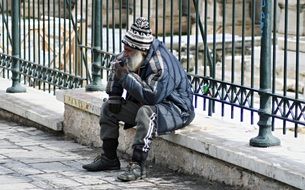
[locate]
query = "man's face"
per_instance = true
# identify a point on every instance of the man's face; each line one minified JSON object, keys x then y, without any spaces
{"x":134,"y":58}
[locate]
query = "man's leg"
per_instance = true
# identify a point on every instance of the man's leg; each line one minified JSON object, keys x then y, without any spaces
{"x":109,"y":134}
{"x":146,"y":120}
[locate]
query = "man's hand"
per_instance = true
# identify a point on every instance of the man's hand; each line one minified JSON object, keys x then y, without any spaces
{"x":120,"y":70}
{"x":115,"y":103}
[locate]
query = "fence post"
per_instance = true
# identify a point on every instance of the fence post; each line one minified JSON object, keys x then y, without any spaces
{"x":16,"y":86}
{"x":96,"y":84}
{"x":265,"y":137}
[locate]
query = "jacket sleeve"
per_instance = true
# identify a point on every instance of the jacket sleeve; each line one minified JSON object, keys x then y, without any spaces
{"x":155,"y":87}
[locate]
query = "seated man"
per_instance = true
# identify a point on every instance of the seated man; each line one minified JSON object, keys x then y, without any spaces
{"x":158,"y":100}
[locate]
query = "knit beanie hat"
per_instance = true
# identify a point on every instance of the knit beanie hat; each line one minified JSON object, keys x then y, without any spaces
{"x":139,"y":35}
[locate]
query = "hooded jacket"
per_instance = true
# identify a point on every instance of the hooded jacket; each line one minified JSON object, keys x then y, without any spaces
{"x":161,"y":82}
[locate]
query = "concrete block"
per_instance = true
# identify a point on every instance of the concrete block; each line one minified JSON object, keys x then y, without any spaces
{"x":82,"y":126}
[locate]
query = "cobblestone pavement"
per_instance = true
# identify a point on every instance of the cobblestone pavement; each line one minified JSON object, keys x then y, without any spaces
{"x":34,"y":159}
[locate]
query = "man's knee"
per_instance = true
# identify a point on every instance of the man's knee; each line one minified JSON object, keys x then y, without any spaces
{"x":146,"y":111}
{"x":104,"y":112}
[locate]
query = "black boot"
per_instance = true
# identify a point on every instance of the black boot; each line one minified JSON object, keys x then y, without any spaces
{"x":108,"y":160}
{"x":135,"y":169}
{"x":102,"y":163}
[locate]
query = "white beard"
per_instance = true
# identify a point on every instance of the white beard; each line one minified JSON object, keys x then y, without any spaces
{"x":135,"y":61}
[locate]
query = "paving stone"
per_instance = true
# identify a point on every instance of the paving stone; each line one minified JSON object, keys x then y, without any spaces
{"x":96,"y":187}
{"x":21,"y":168}
{"x":12,"y":179}
{"x":5,"y":144}
{"x":86,"y":178}
{"x":18,"y":186}
{"x":76,"y":164}
{"x":56,"y":180}
{"x":138,"y":184}
{"x":4,"y":171}
{"x":50,"y":167}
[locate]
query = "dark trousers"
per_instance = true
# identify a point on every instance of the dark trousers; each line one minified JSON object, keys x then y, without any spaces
{"x":143,"y":117}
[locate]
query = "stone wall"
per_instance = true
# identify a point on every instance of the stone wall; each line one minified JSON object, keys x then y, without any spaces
{"x":239,"y":16}
{"x":53,"y":8}
{"x":7,"y":5}
{"x":292,"y":16}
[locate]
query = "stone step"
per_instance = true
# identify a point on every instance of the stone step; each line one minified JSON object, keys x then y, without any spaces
{"x":37,"y":106}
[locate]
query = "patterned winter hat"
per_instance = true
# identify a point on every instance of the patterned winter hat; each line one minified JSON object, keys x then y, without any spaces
{"x":139,"y":35}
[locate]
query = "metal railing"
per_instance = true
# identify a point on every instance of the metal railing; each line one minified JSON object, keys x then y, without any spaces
{"x":242,"y":56}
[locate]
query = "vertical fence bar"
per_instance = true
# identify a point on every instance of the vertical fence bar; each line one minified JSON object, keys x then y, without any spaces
{"x":23,"y":30}
{"x":233,"y":57}
{"x":34,"y":27}
{"x":179,"y":30}
{"x":265,"y":137}
{"x":196,"y":5}
{"x":43,"y":41}
{"x":107,"y":26}
{"x":120,"y":24}
{"x":59,"y":40}
{"x":29,"y":30}
{"x":82,"y":56}
{"x":285,"y":63}
{"x":141,"y":11}
{"x":242,"y":77}
{"x":16,"y":86}
{"x":8,"y":41}
{"x":206,"y":51}
{"x":39,"y":41}
{"x":113,"y":28}
{"x":252,"y":57}
{"x":102,"y":24}
{"x":77,"y":40}
{"x":96,"y":84}
{"x":49,"y":43}
{"x":70,"y":35}
{"x":297,"y":66}
{"x":274,"y":56}
{"x":2,"y":30}
{"x":223,"y":53}
{"x":156,"y":18}
{"x":171,"y":26}
{"x":134,"y":11}
{"x":148,"y":10}
{"x":127,"y":16}
{"x":213,"y":64}
{"x":164,"y":18}
{"x":188,"y":35}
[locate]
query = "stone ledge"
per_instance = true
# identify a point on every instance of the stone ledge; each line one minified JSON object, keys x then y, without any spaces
{"x":205,"y":137}
{"x":35,"y":105}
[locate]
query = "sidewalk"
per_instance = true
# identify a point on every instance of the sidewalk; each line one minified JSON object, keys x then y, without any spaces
{"x":32,"y":159}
